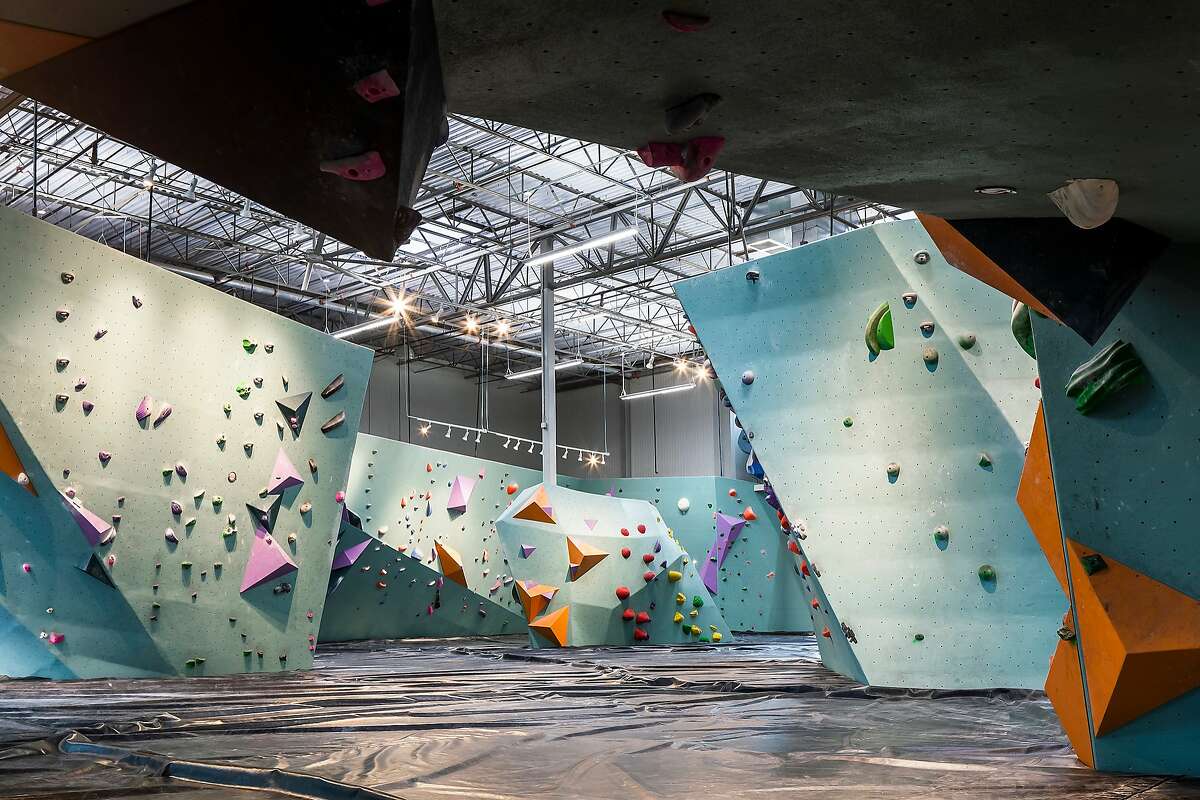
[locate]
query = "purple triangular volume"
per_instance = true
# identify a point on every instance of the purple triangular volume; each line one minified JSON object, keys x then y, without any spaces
{"x":591,"y":524}
{"x":284,"y":476}
{"x":527,"y":550}
{"x":267,"y":561}
{"x":460,"y":493}
{"x":347,"y":556}
{"x":728,"y":530}
{"x":92,"y":527}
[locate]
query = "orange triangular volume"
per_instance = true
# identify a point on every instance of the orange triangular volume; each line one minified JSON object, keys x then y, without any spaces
{"x":553,"y":627}
{"x":10,"y":462}
{"x":1140,"y":640}
{"x":968,"y":258}
{"x":1035,"y":496}
{"x":451,"y":563}
{"x":25,"y":46}
{"x":1064,"y":687}
{"x":582,"y":557}
{"x":534,"y":597}
{"x":542,"y":499}
{"x":534,"y":513}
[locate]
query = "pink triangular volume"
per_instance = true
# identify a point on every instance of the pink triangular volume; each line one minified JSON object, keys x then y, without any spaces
{"x":92,"y":527}
{"x":347,"y":557}
{"x":460,"y":493}
{"x":267,"y":561}
{"x":284,"y":476}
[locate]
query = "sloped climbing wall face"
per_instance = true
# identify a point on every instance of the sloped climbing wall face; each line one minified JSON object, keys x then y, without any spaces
{"x":889,"y":404}
{"x":435,"y":566}
{"x":598,"y":570}
{"x":160,"y":513}
{"x":1128,"y":494}
{"x":756,"y":581}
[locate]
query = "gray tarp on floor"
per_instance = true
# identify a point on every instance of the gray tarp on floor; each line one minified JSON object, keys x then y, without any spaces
{"x":490,"y":719}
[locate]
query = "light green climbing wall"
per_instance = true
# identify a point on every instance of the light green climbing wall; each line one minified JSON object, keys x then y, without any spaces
{"x":790,"y":350}
{"x":175,"y":608}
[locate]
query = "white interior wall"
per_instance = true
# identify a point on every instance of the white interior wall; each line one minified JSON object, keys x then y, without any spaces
{"x":676,"y":434}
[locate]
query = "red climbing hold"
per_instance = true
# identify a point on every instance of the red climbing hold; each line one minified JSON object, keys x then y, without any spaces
{"x":627,"y":615}
{"x":804,"y":568}
{"x":692,"y":330}
{"x":377,"y":86}
{"x":366,"y":166}
{"x":662,"y":154}
{"x":642,"y":618}
{"x":816,"y":603}
{"x":640,"y":635}
{"x":625,"y":552}
{"x":624,"y":531}
{"x":699,"y":157}
{"x":684,"y":21}
{"x":641,"y":528}
{"x":648,"y":576}
{"x":749,"y":515}
{"x":733,"y":492}
{"x":1037,"y":382}
{"x":827,"y":633}
{"x":648,"y":558}
{"x":429,"y":467}
{"x":512,"y":488}
{"x":795,"y":548}
{"x":622,"y":592}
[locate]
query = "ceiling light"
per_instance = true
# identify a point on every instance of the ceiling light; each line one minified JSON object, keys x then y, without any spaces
{"x":507,"y":440}
{"x":679,"y":387}
{"x":529,"y":373}
{"x":565,"y":451}
{"x":447,"y":431}
{"x":478,"y":436}
{"x":592,"y":459}
{"x":378,"y":322}
{"x":580,"y":456}
{"x":466,"y":433}
{"x":502,"y":328}
{"x":424,"y":430}
{"x":471,"y":325}
{"x":995,"y":190}
{"x":589,"y":244}
{"x":531,"y":447}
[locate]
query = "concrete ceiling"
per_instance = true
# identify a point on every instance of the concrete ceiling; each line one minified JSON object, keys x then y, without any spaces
{"x":83,"y":17}
{"x":910,"y":105}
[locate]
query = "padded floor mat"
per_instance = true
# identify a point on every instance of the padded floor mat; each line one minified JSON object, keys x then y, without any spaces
{"x":491,"y":719}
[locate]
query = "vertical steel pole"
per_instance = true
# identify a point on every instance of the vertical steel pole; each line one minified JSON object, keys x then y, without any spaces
{"x":549,"y":398}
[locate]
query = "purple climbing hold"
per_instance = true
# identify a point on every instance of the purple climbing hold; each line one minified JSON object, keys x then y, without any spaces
{"x":143,"y":409}
{"x":268,"y":561}
{"x":527,"y":550}
{"x":181,"y":470}
{"x":104,"y":456}
{"x":100,"y":333}
{"x":170,"y":536}
{"x":748,"y":377}
{"x":284,"y":475}
{"x":91,"y":526}
{"x":176,"y":508}
{"x":728,"y":530}
{"x":163,"y":413}
{"x":347,"y":556}
{"x":460,"y":493}
{"x":87,"y":405}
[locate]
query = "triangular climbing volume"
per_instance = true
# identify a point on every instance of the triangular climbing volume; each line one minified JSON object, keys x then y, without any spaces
{"x":91,"y":526}
{"x":264,"y":514}
{"x":582,"y":557}
{"x":267,"y":561}
{"x":534,"y":513}
{"x":451,"y":563}
{"x":92,"y":566}
{"x":10,"y":463}
{"x":460,"y":493}
{"x":553,"y":627}
{"x":347,"y":556}
{"x":294,"y":409}
{"x":284,"y":475}
{"x":534,"y":597}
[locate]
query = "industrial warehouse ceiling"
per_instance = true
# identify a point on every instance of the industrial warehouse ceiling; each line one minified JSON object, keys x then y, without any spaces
{"x":489,"y":194}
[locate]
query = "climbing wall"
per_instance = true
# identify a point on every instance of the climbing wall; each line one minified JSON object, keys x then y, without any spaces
{"x":757,"y":584}
{"x":598,"y":570}
{"x":174,"y":460}
{"x":434,"y":566}
{"x":894,"y":436}
{"x":1116,"y":457}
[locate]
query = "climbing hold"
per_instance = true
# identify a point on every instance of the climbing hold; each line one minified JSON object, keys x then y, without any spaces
{"x":512,"y":488}
{"x":625,"y":552}
{"x":243,"y":392}
{"x":920,"y":637}
{"x":987,"y":573}
{"x":749,"y":514}
{"x":909,"y":298}
{"x":249,"y":345}
{"x":879,"y":333}
{"x":927,"y":328}
{"x":1105,"y":374}
{"x":1066,"y":634}
{"x":87,"y":406}
{"x":337,"y":383}
{"x":104,"y":456}
{"x":642,"y":618}
{"x":640,"y":635}
{"x":181,"y":470}
{"x":377,"y":86}
{"x":366,"y":166}
{"x":690,"y":112}
{"x":622,"y":592}
{"x":641,"y":528}
{"x":985,"y":460}
{"x":648,"y":558}
{"x":893,"y":470}
{"x":674,"y":576}
{"x":815,"y":603}
{"x":848,"y":422}
{"x":305,"y":507}
{"x":828,"y":634}
{"x":753,"y":275}
{"x":678,"y":618}
{"x":176,"y":508}
{"x":1088,"y":202}
{"x":100,"y":333}
{"x":748,"y":377}
{"x":941,"y":534}
{"x":697,"y":601}
{"x":628,"y":615}
{"x":930,"y":356}
{"x":334,"y":422}
{"x":647,"y":576}
{"x":966,"y":341}
{"x":680,"y":598}
{"x":62,"y":314}
{"x":686,"y":22}
{"x":67,"y":277}
{"x":340,"y":497}
{"x":804,"y":568}
{"x":716,"y":637}
{"x":1093,"y":563}
{"x":1022,"y":327}
{"x":170,"y":536}
{"x":55,"y":637}
{"x":683,"y":504}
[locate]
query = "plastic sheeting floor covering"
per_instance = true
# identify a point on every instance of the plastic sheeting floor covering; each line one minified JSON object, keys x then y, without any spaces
{"x":492,"y":719}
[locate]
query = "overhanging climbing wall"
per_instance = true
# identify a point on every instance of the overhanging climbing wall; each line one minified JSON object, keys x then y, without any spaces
{"x":898,"y":458}
{"x":1125,"y":679}
{"x":597,"y":570}
{"x":173,"y":456}
{"x":395,"y":585}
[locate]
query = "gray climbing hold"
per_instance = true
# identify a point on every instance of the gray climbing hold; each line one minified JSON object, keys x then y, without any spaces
{"x":909,"y":298}
{"x":137,"y":301}
{"x":966,"y":341}
{"x":334,"y":422}
{"x":893,"y":470}
{"x":748,"y":377}
{"x":941,"y":534}
{"x":927,"y":328}
{"x":930,"y":356}
{"x":690,"y":112}
{"x":333,"y":386}
{"x":61,"y":363}
{"x":67,"y":277}
{"x":62,"y":314}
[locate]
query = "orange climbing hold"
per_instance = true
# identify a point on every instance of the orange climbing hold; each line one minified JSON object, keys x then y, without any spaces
{"x":749,"y":515}
{"x":451,"y":563}
{"x":534,"y":597}
{"x":429,"y":467}
{"x":553,"y":627}
{"x":512,"y":488}
{"x":828,"y":634}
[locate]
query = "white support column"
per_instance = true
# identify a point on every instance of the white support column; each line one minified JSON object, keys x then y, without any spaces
{"x":549,"y":397}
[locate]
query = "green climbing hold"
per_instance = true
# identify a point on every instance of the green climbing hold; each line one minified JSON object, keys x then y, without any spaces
{"x":879,"y":333}
{"x":847,"y":422}
{"x":243,"y":390}
{"x":920,"y":637}
{"x":985,"y":460}
{"x":186,"y":564}
{"x":987,"y":573}
{"x":248,"y":345}
{"x":190,"y":663}
{"x":1093,"y":563}
{"x":166,"y":471}
{"x":1022,"y":327}
{"x":966,"y":341}
{"x":697,"y":601}
{"x":1104,"y":375}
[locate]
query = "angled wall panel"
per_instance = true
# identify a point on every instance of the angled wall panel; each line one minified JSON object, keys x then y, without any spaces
{"x":954,"y":421}
{"x":89,"y":334}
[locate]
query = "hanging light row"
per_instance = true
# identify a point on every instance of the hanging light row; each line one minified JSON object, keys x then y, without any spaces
{"x":516,"y":443}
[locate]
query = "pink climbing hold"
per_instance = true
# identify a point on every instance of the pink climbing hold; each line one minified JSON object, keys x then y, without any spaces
{"x":641,"y":528}
{"x":460,"y":493}
{"x":662,"y":154}
{"x":527,"y":550}
{"x":377,"y":86}
{"x":348,"y":555}
{"x":816,"y":603}
{"x":27,"y":567}
{"x":56,"y":638}
{"x":163,"y":413}
{"x":104,"y":456}
{"x":143,"y":409}
{"x":684,"y":21}
{"x":267,"y":561}
{"x":624,"y":531}
{"x":91,"y":526}
{"x":284,"y":475}
{"x":366,"y":166}
{"x":648,"y":557}
{"x":339,"y":496}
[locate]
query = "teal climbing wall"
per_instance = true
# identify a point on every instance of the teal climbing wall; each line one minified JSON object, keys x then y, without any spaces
{"x":1128,"y":488}
{"x":921,"y":614}
{"x":759,"y":587}
{"x":150,"y":606}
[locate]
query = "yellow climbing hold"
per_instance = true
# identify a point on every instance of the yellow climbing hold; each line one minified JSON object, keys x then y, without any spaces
{"x":680,"y":599}
{"x":695,"y":630}
{"x":678,"y":618}
{"x":693,"y":613}
{"x":674,"y":576}
{"x":716,"y":637}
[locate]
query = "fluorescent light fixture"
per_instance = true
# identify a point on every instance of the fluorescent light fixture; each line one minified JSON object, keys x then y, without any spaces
{"x":370,"y":325}
{"x":589,"y":244}
{"x":679,"y":387}
{"x":529,"y":373}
